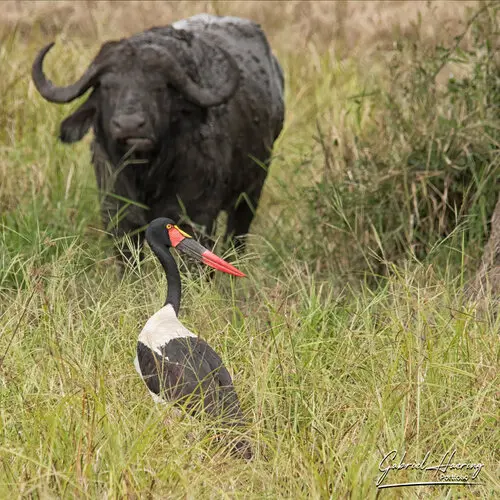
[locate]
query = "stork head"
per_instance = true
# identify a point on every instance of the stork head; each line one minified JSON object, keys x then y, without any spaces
{"x":164,"y":231}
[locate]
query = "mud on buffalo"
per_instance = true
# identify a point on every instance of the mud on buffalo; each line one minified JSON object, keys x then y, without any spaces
{"x":184,"y":119}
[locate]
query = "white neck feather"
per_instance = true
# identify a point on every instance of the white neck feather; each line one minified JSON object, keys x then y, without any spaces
{"x":162,"y":327}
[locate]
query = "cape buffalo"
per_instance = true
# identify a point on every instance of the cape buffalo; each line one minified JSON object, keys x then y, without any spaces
{"x":184,"y":119}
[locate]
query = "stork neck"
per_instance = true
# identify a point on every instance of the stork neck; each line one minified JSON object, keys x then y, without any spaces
{"x":172,"y":274}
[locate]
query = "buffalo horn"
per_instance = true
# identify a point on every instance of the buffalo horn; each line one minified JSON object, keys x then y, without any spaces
{"x":201,"y":96}
{"x":54,"y":93}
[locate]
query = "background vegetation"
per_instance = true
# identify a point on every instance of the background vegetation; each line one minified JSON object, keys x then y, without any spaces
{"x":351,"y":336}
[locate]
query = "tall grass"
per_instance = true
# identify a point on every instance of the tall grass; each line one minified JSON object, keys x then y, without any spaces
{"x":351,"y":336}
{"x":425,"y":168}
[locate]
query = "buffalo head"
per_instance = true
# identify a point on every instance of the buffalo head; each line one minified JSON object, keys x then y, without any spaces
{"x":141,"y":85}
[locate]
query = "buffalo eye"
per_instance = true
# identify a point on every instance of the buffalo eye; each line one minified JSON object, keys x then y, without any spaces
{"x":108,"y":86}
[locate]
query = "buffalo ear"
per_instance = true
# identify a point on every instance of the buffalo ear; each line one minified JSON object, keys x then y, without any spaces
{"x":76,"y":125}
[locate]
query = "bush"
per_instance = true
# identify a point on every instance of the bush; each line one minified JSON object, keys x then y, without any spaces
{"x":429,"y":167}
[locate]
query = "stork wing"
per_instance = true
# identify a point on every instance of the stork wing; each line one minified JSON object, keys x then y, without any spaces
{"x":190,"y":373}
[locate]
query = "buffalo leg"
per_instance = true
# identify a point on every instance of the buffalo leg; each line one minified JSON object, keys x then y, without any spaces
{"x":239,"y":220}
{"x":127,"y":246}
{"x":125,"y":224}
{"x":128,"y":239}
{"x":124,"y":219}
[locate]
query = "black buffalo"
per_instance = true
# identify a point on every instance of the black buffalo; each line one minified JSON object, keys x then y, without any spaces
{"x":184,"y":119}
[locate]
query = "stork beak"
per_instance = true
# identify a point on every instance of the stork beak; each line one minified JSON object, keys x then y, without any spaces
{"x":184,"y":243}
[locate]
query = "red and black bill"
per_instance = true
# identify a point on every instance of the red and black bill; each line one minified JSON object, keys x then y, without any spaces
{"x":185,"y":243}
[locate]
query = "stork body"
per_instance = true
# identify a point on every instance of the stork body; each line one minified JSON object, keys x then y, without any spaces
{"x":174,"y":363}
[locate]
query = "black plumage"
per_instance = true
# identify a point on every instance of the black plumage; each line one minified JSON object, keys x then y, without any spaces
{"x":190,"y":372}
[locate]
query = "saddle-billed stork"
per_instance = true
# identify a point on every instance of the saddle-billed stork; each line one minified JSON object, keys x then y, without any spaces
{"x":174,"y":363}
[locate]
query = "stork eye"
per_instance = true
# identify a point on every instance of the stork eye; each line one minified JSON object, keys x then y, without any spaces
{"x":169,"y":226}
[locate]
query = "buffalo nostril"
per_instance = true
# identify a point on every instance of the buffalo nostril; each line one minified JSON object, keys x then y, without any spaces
{"x":128,"y":124}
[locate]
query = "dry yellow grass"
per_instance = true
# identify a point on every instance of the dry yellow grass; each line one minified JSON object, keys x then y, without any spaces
{"x":344,"y":26}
